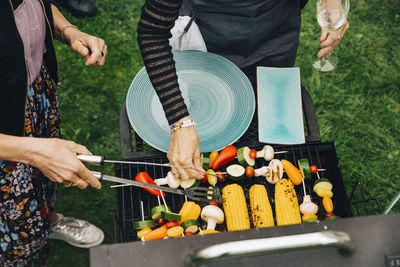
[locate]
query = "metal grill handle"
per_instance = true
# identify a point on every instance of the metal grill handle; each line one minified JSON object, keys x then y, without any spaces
{"x":270,"y":245}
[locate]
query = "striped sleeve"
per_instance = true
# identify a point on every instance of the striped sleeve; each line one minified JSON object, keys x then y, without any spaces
{"x":156,"y":21}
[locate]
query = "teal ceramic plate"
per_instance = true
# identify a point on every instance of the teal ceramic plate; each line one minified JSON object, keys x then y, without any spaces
{"x":219,"y":97}
{"x":280,"y":116}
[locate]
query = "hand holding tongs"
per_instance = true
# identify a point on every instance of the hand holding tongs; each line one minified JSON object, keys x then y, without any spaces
{"x":100,"y":160}
{"x":195,"y":193}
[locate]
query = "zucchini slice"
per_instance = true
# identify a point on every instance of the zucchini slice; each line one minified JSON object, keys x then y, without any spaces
{"x":334,"y":217}
{"x":311,"y":220}
{"x":304,"y":167}
{"x":244,"y":158}
{"x":235,"y":171}
{"x":156,"y":211}
{"x":143,"y":224}
{"x":190,"y":226}
{"x":323,"y":182}
{"x":170,"y":216}
{"x":205,"y":160}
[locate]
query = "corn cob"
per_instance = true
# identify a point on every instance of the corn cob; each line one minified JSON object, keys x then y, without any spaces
{"x":286,"y":203}
{"x":260,"y":208}
{"x":234,"y":202}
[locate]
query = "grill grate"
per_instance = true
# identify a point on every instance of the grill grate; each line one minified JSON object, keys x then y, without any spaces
{"x":321,"y":154}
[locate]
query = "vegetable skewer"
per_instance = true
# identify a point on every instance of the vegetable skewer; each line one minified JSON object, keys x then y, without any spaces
{"x":267,"y":153}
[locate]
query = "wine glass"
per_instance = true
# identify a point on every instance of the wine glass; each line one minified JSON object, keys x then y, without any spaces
{"x":331,"y":15}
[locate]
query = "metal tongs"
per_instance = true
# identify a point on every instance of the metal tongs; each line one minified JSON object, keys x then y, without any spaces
{"x":100,"y":160}
{"x":196,"y":193}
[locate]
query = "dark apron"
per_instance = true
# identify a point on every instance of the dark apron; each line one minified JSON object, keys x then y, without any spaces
{"x":250,"y":33}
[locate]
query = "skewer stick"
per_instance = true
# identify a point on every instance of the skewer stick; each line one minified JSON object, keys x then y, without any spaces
{"x":142,"y":210}
{"x":304,"y":187}
{"x":165,"y":203}
{"x":186,"y":199}
{"x":159,"y":202}
{"x":120,"y":185}
{"x":318,"y":176}
{"x":281,"y":152}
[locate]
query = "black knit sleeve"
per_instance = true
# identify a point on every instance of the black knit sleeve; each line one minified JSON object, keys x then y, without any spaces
{"x":156,"y":21}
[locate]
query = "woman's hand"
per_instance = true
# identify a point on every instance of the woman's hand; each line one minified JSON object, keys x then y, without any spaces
{"x":57,"y":160}
{"x":94,"y":49}
{"x":329,"y":39}
{"x":184,"y":150}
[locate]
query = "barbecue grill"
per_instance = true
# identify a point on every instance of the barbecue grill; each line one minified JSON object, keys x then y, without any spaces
{"x":322,"y":154}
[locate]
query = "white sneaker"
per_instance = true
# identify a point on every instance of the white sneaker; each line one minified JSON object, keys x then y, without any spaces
{"x":78,"y":233}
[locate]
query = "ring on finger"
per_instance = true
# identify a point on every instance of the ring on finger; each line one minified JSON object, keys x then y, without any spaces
{"x":174,"y":172}
{"x":339,"y":37}
{"x":77,"y":183}
{"x":68,"y":185}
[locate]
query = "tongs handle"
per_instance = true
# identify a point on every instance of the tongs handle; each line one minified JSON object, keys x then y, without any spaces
{"x":91,"y":159}
{"x":98,"y":175}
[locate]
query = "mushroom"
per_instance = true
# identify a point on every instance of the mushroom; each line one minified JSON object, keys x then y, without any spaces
{"x":170,"y":180}
{"x":308,"y":207}
{"x":212,"y":215}
{"x":267,"y":153}
{"x":276,"y":168}
{"x":264,"y":171}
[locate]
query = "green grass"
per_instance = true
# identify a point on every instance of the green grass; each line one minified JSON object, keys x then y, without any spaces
{"x":358,"y":105}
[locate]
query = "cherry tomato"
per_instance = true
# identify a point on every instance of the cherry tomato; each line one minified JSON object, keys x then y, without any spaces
{"x":249,"y":171}
{"x":222,"y":177}
{"x":329,"y":214}
{"x":213,"y":203}
{"x":313,"y":169}
{"x":171,"y":224}
{"x":253,"y":154}
{"x":161,"y":222}
{"x":205,"y":179}
{"x":189,"y":233}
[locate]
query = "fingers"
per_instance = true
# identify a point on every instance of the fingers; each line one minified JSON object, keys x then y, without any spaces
{"x":89,"y":178}
{"x":198,"y":165}
{"x":79,"y":183}
{"x":184,"y":150}
{"x":79,"y":149}
{"x":324,"y":52}
{"x":324,"y":35}
{"x":97,"y":46}
{"x":92,"y":48}
{"x":330,"y":39}
{"x":83,"y":176}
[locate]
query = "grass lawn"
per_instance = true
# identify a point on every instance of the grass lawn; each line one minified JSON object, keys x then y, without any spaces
{"x":358,"y":105}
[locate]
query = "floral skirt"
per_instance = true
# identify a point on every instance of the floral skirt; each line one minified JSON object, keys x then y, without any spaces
{"x":27,"y":196}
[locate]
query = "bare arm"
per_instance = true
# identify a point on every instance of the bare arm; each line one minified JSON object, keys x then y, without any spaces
{"x":156,"y":21}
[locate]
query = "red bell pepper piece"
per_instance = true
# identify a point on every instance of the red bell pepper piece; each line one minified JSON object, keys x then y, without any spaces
{"x":144,"y":177}
{"x":171,"y":224}
{"x":226,"y":155}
